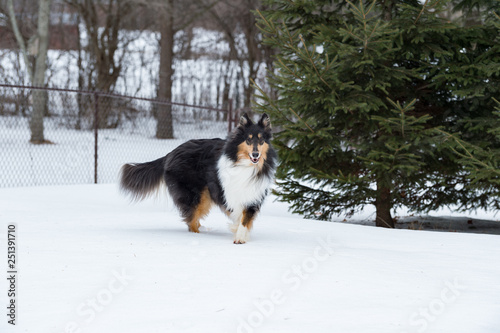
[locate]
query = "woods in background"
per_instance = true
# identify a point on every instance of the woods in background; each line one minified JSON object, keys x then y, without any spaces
{"x":136,"y":47}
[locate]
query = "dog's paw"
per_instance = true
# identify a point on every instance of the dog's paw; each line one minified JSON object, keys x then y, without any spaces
{"x":241,"y":236}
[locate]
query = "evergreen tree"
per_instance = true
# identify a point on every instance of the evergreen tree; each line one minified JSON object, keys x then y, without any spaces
{"x":480,"y":153}
{"x":473,"y":75}
{"x":368,"y":92}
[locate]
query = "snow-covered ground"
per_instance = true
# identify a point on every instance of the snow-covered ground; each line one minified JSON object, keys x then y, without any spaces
{"x":89,"y":261}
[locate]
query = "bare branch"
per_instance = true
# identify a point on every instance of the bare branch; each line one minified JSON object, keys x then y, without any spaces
{"x":19,"y":39}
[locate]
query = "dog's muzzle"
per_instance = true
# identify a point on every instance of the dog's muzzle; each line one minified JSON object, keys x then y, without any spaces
{"x":254,"y":157}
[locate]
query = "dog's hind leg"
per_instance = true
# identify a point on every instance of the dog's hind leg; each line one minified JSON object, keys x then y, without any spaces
{"x":242,"y":231}
{"x":200,"y":211}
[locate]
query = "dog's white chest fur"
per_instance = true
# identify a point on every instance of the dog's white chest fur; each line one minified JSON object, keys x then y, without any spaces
{"x":241,"y":185}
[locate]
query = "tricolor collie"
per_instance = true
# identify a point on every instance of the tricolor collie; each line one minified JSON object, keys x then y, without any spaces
{"x":234,"y":174}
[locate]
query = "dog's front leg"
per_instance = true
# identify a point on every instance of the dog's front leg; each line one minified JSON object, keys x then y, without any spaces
{"x":245,"y":225}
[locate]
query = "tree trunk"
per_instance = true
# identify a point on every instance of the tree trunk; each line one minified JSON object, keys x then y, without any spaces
{"x":79,"y":62}
{"x":254,"y":55}
{"x":164,"y":126}
{"x":383,"y":202}
{"x":383,"y":205}
{"x":39,"y":105}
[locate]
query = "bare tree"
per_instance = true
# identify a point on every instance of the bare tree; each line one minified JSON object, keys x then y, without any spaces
{"x":235,"y":19}
{"x":173,"y":15}
{"x":255,"y":54}
{"x":164,"y":125}
{"x":104,"y":49}
{"x":37,"y":47}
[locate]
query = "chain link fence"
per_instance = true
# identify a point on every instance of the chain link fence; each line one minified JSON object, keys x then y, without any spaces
{"x":90,"y":135}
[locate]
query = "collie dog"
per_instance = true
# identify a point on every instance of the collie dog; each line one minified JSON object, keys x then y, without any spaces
{"x":234,"y":174}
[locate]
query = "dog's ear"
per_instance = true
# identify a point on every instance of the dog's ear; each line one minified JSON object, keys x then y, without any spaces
{"x":265,"y":122}
{"x":245,"y":121}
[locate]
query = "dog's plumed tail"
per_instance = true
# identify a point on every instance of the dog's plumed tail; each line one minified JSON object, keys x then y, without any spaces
{"x":141,"y":180}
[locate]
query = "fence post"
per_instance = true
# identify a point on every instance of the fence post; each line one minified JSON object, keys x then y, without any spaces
{"x":96,"y":132}
{"x":229,"y":115}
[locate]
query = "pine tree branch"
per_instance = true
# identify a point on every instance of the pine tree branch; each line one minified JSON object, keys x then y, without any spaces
{"x":354,"y":8}
{"x":423,"y":8}
{"x":312,"y":62}
{"x":295,"y":113}
{"x":353,"y":35}
{"x":267,"y":98}
{"x":277,"y":109}
{"x":421,"y":11}
{"x":468,"y":154}
{"x":269,"y":24}
{"x":289,"y":70}
{"x":371,"y":34}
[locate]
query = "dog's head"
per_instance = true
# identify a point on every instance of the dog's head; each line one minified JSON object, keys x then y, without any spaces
{"x":252,"y":141}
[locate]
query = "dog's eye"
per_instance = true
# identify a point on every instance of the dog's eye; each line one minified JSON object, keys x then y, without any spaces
{"x":261,"y":142}
{"x":249,"y":142}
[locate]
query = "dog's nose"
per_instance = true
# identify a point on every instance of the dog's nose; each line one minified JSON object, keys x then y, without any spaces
{"x":255,"y":155}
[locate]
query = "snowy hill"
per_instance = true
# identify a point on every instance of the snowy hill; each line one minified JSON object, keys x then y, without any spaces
{"x":88,"y":261}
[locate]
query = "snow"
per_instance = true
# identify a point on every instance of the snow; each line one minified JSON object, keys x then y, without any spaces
{"x":89,"y":261}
